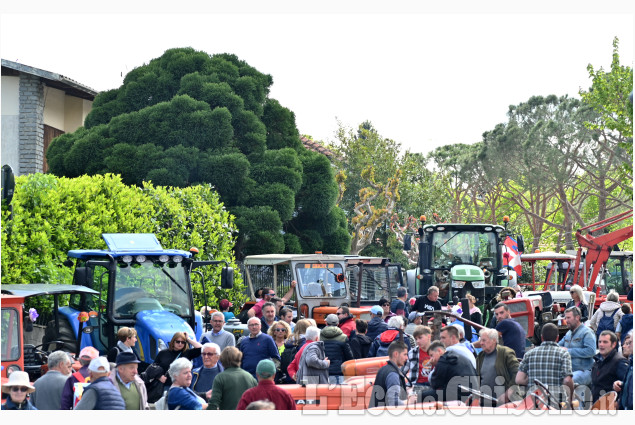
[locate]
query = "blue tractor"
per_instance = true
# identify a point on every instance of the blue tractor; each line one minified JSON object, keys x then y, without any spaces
{"x":139,"y":284}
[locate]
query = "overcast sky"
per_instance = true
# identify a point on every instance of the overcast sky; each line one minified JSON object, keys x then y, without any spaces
{"x":424,"y":77}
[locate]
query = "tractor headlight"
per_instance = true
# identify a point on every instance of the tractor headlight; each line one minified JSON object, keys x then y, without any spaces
{"x":478,"y":284}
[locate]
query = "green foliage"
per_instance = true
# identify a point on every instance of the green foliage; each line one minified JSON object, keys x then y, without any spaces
{"x":189,"y":118}
{"x":53,"y":215}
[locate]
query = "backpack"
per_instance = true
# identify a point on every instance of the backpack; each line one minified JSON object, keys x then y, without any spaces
{"x":285,"y":360}
{"x":162,"y":403}
{"x":606,"y":323}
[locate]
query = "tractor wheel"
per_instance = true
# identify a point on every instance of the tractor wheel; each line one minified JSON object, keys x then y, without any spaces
{"x":65,"y":334}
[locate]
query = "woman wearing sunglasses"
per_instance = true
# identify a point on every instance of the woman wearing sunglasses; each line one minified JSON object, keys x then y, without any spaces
{"x":18,"y":387}
{"x":280,"y":331}
{"x":179,"y":347}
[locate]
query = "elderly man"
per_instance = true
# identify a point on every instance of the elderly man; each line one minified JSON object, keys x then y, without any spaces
{"x":548,"y":363}
{"x":78,"y":378}
{"x":379,"y":347}
{"x":428,"y":302}
{"x":203,"y":377}
{"x":450,"y":338}
{"x":49,"y":387}
{"x":101,"y":394}
{"x":268,"y":316}
{"x":580,"y":343}
{"x":267,"y":389}
{"x":608,"y":363}
{"x":127,"y":381}
{"x":312,"y":363}
{"x":389,"y":388}
{"x":257,"y":346}
{"x":218,"y":335}
{"x":496,"y":366}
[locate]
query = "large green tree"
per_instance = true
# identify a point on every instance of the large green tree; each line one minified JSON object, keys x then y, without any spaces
{"x":189,"y":118}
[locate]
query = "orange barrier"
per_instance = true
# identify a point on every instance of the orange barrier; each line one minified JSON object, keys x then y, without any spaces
{"x":362,"y":367}
{"x":433,"y":405}
{"x":354,"y":396}
{"x":606,"y":402}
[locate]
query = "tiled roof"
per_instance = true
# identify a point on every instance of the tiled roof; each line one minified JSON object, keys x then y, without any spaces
{"x":317,"y":147}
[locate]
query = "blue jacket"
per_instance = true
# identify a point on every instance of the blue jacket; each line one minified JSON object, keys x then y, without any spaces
{"x":184,"y":398}
{"x":376,"y":325}
{"x":108,"y":397}
{"x":256,"y":349}
{"x":581,"y":347}
{"x":10,"y":405}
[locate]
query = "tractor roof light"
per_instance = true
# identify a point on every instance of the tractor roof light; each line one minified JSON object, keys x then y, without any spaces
{"x":177,"y":258}
{"x":506,"y":219}
{"x":127,"y":259}
{"x":140,"y":258}
{"x":164,"y":258}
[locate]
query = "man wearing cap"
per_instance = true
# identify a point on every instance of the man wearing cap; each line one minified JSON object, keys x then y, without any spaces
{"x":18,"y":388}
{"x":218,"y":335}
{"x":101,"y":394}
{"x":376,"y":324}
{"x":267,"y":389}
{"x":127,"y":381}
{"x":78,"y":378}
{"x":49,"y":387}
{"x":224,"y":306}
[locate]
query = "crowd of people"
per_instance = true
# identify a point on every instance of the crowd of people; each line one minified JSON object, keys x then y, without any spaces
{"x":218,"y":372}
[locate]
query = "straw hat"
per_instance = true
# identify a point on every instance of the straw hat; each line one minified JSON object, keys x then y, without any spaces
{"x":18,"y":379}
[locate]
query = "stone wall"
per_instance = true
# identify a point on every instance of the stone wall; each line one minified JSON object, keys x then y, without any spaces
{"x":31,"y":126}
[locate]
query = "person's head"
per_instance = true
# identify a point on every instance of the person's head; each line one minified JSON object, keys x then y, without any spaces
{"x":573,"y":317}
{"x":300,"y":328}
{"x":549,"y":332}
{"x":576,"y":294}
{"x":18,"y":386}
{"x":342,"y":312}
{"x":253,"y":324}
{"x":613,"y":296}
{"x":377,"y":310}
{"x":218,"y":321}
{"x":269,"y":312}
{"x":472,"y":300}
{"x":501,"y":311}
{"x":286,"y":315}
{"x":398,"y":353}
{"x":312,"y":333}
{"x":626,"y":309}
{"x":385,"y":305}
{"x":606,"y":342}
{"x":127,"y":336}
{"x":402,"y":293}
{"x":396,"y":322}
{"x":210,"y":351}
{"x":433,"y":293}
{"x":59,"y":360}
{"x":627,"y":346}
{"x":332,"y":320}
{"x":489,"y":339}
{"x":507,"y":294}
{"x":127,"y":364}
{"x":422,"y":335}
{"x":98,"y":368}
{"x":258,"y":293}
{"x":278,"y":303}
{"x":415,"y":318}
{"x":266,"y":370}
{"x":312,"y":321}
{"x":280,"y":330}
{"x":180,"y":372}
{"x":224,"y":305}
{"x":436,"y":350}
{"x":178,"y":342}
{"x":461,"y":331}
{"x":361,"y":326}
{"x":268,"y":294}
{"x":261,"y":405}
{"x":87,"y":354}
{"x":230,"y":357}
{"x":449,"y":335}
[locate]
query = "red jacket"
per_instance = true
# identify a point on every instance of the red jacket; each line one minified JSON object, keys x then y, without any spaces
{"x":267,"y":390}
{"x":348,"y":325}
{"x":293,"y":367}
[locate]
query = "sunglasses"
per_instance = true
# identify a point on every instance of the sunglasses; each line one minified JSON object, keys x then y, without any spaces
{"x":179,"y":342}
{"x":385,"y":305}
{"x":279,"y":330}
{"x":19,"y":389}
{"x":208,"y":354}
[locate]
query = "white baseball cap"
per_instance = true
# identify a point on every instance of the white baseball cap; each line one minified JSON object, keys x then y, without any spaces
{"x":99,"y":365}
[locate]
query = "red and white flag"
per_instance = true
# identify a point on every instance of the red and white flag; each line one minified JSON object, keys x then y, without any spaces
{"x":511,"y":256}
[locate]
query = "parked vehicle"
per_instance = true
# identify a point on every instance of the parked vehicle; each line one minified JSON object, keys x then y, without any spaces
{"x":134,"y":283}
